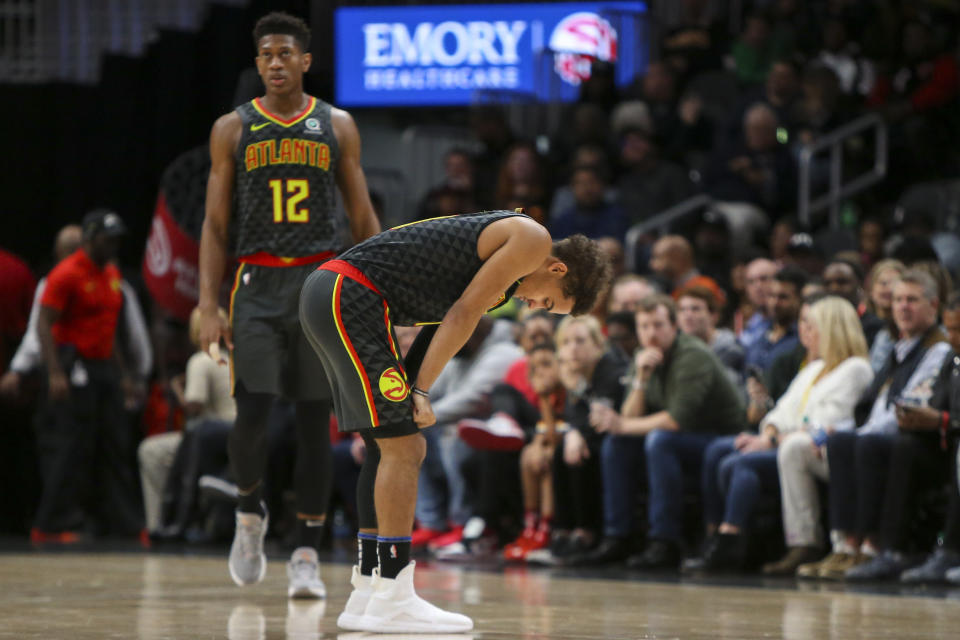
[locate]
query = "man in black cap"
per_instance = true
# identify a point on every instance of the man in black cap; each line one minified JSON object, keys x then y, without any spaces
{"x":82,"y":415}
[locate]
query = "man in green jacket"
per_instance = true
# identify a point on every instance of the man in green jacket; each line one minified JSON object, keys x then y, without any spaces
{"x":680,"y":399}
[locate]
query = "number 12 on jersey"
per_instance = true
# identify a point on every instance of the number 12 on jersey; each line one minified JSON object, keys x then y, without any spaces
{"x":297,"y":191}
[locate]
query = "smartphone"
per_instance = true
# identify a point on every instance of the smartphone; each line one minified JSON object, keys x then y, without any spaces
{"x":819,"y":436}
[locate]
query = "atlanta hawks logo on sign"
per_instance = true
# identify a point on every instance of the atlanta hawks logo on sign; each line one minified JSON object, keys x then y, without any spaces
{"x":577,"y":41}
{"x":393,"y":387}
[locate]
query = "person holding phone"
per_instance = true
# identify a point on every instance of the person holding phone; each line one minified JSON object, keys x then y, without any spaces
{"x":821,"y":395}
{"x":873,"y":479}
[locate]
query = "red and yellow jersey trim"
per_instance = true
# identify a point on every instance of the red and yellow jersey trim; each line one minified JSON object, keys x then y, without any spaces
{"x":354,"y":358}
{"x":280,"y":121}
{"x":264,"y":259}
{"x":233,"y":295}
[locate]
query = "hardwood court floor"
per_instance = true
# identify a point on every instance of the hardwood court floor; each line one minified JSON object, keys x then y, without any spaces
{"x":73,"y":595}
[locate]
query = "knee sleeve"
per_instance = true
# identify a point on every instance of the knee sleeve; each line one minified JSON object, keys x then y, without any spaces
{"x":313,"y":474}
{"x":247,"y":443}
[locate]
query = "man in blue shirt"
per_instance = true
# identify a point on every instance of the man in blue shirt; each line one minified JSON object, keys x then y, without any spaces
{"x":783,"y":307}
{"x":591,"y":215}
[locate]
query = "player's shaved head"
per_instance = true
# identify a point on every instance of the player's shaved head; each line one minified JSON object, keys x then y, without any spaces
{"x":68,"y":240}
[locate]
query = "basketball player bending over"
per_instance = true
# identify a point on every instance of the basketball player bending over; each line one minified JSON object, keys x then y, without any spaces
{"x":446,"y":272}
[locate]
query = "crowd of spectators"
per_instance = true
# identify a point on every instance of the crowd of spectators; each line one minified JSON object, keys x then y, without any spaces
{"x":752,"y":394}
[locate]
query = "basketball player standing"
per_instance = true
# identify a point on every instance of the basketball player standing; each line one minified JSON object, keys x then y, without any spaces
{"x":278,"y":159}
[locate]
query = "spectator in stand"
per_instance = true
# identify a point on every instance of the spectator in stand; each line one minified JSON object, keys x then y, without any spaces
{"x":679,"y":127}
{"x":870,"y":237}
{"x":461,"y":391}
{"x":648,"y":184}
{"x":205,"y":394}
{"x":680,"y":399}
{"x":590,"y":374}
{"x":628,"y":291}
{"x":819,"y":110}
{"x":622,"y":333}
{"x":672,"y":261}
{"x":536,"y":459}
{"x":698,"y":312}
{"x":941,"y":421}
{"x":83,"y":433}
{"x":522,"y":175}
{"x":919,"y":99}
{"x":822,"y":395}
{"x":754,"y":53}
{"x":758,"y":169}
{"x":845,"y":279}
{"x":497,"y":441}
{"x":695,"y":38}
{"x":458,"y":179}
{"x":591,"y":215}
{"x":883,"y":277}
{"x":587,"y":154}
{"x":857,"y":74}
{"x":913,"y":461}
{"x":780,"y":234}
{"x":752,"y":320}
{"x":712,"y":247}
{"x":804,"y":254}
{"x":489,"y":125}
{"x":783,"y":306}
{"x":738,"y":470}
{"x":779,"y":92}
{"x":859,"y":460}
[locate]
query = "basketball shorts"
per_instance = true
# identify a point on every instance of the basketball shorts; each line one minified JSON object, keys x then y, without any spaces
{"x":271,"y":354}
{"x":348,"y":324}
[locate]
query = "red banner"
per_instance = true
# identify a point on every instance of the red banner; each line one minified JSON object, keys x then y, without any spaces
{"x":170,"y":264}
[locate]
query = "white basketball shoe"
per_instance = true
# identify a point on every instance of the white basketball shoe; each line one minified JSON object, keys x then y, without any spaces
{"x":394,"y":607}
{"x":357,"y":602}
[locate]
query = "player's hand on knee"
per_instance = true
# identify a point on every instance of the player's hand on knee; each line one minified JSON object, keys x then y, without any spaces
{"x":422,"y":411}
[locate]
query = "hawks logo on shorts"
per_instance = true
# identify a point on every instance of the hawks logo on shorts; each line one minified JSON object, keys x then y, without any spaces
{"x":393,"y":386}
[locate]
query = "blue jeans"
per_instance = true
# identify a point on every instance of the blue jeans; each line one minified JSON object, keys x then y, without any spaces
{"x":713,"y":496}
{"x":669,"y":454}
{"x":442,"y":492}
{"x":743,"y":478}
{"x":622,"y":460}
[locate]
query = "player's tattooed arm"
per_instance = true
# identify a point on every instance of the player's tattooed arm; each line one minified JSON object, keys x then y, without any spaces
{"x":351,"y":180}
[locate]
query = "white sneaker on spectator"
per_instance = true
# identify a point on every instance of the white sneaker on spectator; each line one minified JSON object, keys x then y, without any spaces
{"x":394,"y":607}
{"x":248,"y":562}
{"x":500,"y":433}
{"x":357,"y":602}
{"x":303,"y":573}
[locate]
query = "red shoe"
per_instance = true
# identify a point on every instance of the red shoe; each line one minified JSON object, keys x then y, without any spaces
{"x":516,"y":551}
{"x":454,"y":535}
{"x":500,"y":433}
{"x":540,"y":539}
{"x":423,"y":535}
{"x":38,"y":536}
{"x":144,"y":538}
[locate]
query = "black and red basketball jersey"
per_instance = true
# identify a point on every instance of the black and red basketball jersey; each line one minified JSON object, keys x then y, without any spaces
{"x":285,"y":183}
{"x":422,"y":268}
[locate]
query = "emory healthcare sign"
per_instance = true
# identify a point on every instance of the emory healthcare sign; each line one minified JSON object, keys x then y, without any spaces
{"x":441,"y":55}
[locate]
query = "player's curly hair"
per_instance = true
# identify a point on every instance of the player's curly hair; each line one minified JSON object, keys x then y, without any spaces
{"x":279,"y":22}
{"x":588,"y":271}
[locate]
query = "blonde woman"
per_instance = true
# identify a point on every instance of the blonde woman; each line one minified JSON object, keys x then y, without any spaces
{"x":823,"y":393}
{"x":590,"y":373}
{"x":820,"y":399}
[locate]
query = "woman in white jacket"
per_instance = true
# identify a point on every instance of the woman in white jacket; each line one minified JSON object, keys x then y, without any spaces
{"x":823,"y":393}
{"x":820,"y":399}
